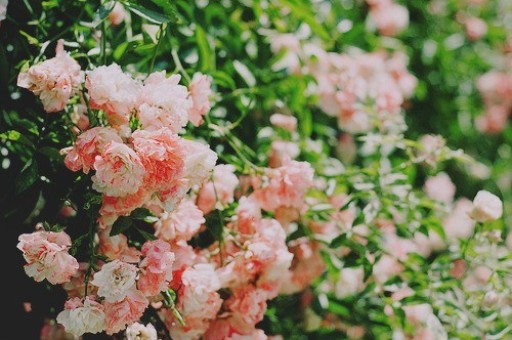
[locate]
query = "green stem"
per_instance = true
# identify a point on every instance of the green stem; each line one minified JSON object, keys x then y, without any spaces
{"x":155,"y":52}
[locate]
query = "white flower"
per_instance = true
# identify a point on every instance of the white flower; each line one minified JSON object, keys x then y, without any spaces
{"x":486,"y":207}
{"x":79,"y":318}
{"x":138,"y":331}
{"x":3,"y":8}
{"x":114,"y":280}
{"x":351,"y":282}
{"x":199,"y":161}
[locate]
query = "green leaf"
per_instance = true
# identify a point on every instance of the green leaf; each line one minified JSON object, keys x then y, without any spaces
{"x":143,"y":214}
{"x":28,"y":176}
{"x":15,"y":136}
{"x":146,"y":235}
{"x":148,"y":14}
{"x":338,"y":241}
{"x":245,"y":73}
{"x":205,"y":54}
{"x":122,"y":224}
{"x":223,"y":79}
{"x":168,"y":6}
{"x":51,"y":153}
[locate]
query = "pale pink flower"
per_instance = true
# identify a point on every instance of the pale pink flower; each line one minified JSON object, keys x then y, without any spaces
{"x":164,"y":103}
{"x":114,"y":92}
{"x":486,"y":207}
{"x":286,"y":41}
{"x":52,"y":330}
{"x":219,"y":190}
{"x":3,"y":9}
{"x":284,"y":121}
{"x":440,"y":188}
{"x":390,"y":19}
{"x":185,"y":256}
{"x":402,"y":293}
{"x":116,"y":247}
{"x":180,"y":224}
{"x":248,"y":215}
{"x":82,"y":316}
{"x":156,"y":267}
{"x":80,"y":117}
{"x":255,"y":334}
{"x":113,"y":207}
{"x":418,"y":314}
{"x":385,"y":268}
{"x":88,"y":145}
{"x":280,"y":150}
{"x":137,"y":331}
{"x":495,"y":88}
{"x":458,"y":224}
{"x":126,"y":311}
{"x":119,"y":171}
{"x":114,"y":280}
{"x":476,"y":28}
{"x":430,"y":149}
{"x":47,"y":256}
{"x":117,"y":14}
{"x":75,"y":287}
{"x":200,"y":91}
{"x":350,"y":282}
{"x":284,"y":186}
{"x":248,"y":305}
{"x":494,"y":119}
{"x":54,"y":80}
{"x":199,"y":161}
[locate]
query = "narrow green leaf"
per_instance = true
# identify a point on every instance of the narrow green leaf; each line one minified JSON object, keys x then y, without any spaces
{"x":27,"y":177}
{"x":122,"y":224}
{"x":205,"y":54}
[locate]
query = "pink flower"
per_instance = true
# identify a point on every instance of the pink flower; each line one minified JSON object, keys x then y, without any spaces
{"x":255,"y":334}
{"x":156,"y":267}
{"x":82,"y":316}
{"x":138,"y":331}
{"x":47,"y":256}
{"x":284,"y":122}
{"x":164,"y":103}
{"x":219,"y":190}
{"x":75,"y":287}
{"x":80,"y":117}
{"x":248,"y":305}
{"x":386,"y":268}
{"x":116,"y":247}
{"x":476,"y":28}
{"x":87,"y":146}
{"x":117,"y":14}
{"x":51,"y":330}
{"x":200,"y":91}
{"x":280,"y":150}
{"x":54,"y":80}
{"x":459,"y":223}
{"x":440,"y":188}
{"x":350,"y":282}
{"x":114,"y":280}
{"x":486,"y":207}
{"x":199,"y":161}
{"x":390,"y":19}
{"x":119,"y":171}
{"x":112,"y":91}
{"x":248,"y":215}
{"x":113,"y":207}
{"x":284,"y":186}
{"x":180,"y":224}
{"x":126,"y":311}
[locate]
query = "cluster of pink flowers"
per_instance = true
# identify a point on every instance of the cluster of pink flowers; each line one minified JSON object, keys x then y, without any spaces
{"x":496,"y":90}
{"x":388,"y":17}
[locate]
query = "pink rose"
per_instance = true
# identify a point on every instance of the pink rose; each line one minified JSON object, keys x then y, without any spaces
{"x":180,"y":224}
{"x":54,"y":80}
{"x":200,"y":91}
{"x":248,"y":305}
{"x":284,"y":122}
{"x":440,"y":188}
{"x":82,"y":316}
{"x":117,"y":14}
{"x":486,"y":207}
{"x":219,"y":190}
{"x":47,"y":256}
{"x":116,"y":247}
{"x":390,"y":19}
{"x":476,"y":28}
{"x":156,"y":267}
{"x":115,"y":280}
{"x":126,"y":311}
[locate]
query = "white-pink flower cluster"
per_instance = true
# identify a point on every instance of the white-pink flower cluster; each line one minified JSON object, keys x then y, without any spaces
{"x":496,"y":90}
{"x":388,"y":17}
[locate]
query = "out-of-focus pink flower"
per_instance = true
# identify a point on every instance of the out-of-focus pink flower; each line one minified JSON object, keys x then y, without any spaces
{"x":284,"y":121}
{"x":219,"y":190}
{"x":119,"y":170}
{"x":486,"y":207}
{"x":458,"y":224}
{"x":52,"y":330}
{"x":47,"y":256}
{"x":164,"y":103}
{"x":156,"y":267}
{"x":476,"y":28}
{"x":284,"y":186}
{"x":494,"y":120}
{"x":280,"y":150}
{"x":385,"y":268}
{"x":54,"y":80}
{"x":117,"y":14}
{"x":350,"y":282}
{"x":114,"y":92}
{"x":200,"y":92}
{"x":390,"y":19}
{"x":440,"y":188}
{"x":180,"y":224}
{"x":126,"y":311}
{"x":82,"y":316}
{"x":137,"y":331}
{"x":114,"y":280}
{"x":87,"y":146}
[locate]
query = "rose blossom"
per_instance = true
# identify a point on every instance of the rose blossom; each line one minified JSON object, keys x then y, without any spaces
{"x":440,"y":188}
{"x":284,"y":122}
{"x":165,"y":103}
{"x":199,"y":161}
{"x":117,"y":14}
{"x":82,"y":316}
{"x":126,"y":311}
{"x":279,"y":150}
{"x":220,"y":189}
{"x":486,"y":207}
{"x":476,"y":28}
{"x":137,"y":331}
{"x":350,"y":282}
{"x":390,"y":19}
{"x":47,"y":256}
{"x":200,"y":91}
{"x":116,"y":247}
{"x":180,"y":224}
{"x":54,"y":80}
{"x":88,"y":145}
{"x":112,"y":91}
{"x":114,"y":280}
{"x":119,"y":170}
{"x":156,"y":267}
{"x":248,"y":304}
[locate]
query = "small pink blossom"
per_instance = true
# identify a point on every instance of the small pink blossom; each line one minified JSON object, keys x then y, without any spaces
{"x":390,"y":19}
{"x":440,"y":188}
{"x":476,"y":28}
{"x":116,"y":247}
{"x":156,"y":267}
{"x":350,"y":282}
{"x":220,"y":190}
{"x":200,"y":91}
{"x":126,"y":311}
{"x":248,"y":305}
{"x":52,"y":330}
{"x":114,"y":92}
{"x":248,"y":215}
{"x":486,"y":207}
{"x":114,"y":280}
{"x":47,"y":256}
{"x":458,"y":224}
{"x":117,"y":14}
{"x":284,"y":121}
{"x":280,"y":150}
{"x":137,"y":331}
{"x":54,"y":80}
{"x":82,"y":316}
{"x":113,"y":207}
{"x":180,"y":224}
{"x":199,"y":161}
